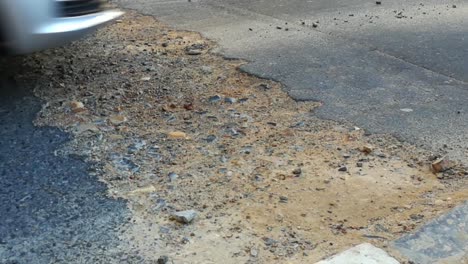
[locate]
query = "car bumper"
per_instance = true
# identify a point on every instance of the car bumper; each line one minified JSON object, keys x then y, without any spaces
{"x":59,"y":31}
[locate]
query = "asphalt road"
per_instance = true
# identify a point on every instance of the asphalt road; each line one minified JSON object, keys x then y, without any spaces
{"x":398,"y":68}
{"x":51,"y":209}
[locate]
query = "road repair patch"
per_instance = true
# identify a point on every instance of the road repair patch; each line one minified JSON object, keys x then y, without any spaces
{"x":218,"y":166}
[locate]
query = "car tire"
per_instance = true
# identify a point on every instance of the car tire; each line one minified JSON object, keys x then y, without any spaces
{"x":2,"y":42}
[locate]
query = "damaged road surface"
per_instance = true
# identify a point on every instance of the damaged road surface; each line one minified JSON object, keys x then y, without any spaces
{"x":219,"y":166}
{"x":52,"y":210}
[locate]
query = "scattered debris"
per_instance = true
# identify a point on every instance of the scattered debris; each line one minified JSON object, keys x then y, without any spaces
{"x":244,"y":162}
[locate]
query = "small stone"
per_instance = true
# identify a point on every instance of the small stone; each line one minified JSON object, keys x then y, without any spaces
{"x":264,"y":86}
{"x":173,"y":176}
{"x":164,"y":230}
{"x":253,"y":252}
{"x":116,"y":137}
{"x":298,"y":124}
{"x":77,"y":106}
{"x":367,"y":149}
{"x":297,"y":171}
{"x":381,"y":155}
{"x":269,"y":241}
{"x":86,"y":128}
{"x":177,"y":135}
{"x":346,"y":156}
{"x":344,"y":168}
{"x":143,"y":190}
{"x":416,"y":217}
{"x":283,"y":199}
{"x":359,"y":164}
{"x":314,"y":25}
{"x":188,"y":106}
{"x":117,"y":119}
{"x":193,"y":52}
{"x":146,"y":78}
{"x":211,"y":138}
{"x":165,"y":45}
{"x":184,"y":217}
{"x":279,"y":28}
{"x":163,"y":260}
{"x":378,"y":2}
{"x":406,"y":110}
{"x":230,"y":100}
{"x":454,"y":6}
{"x":214,"y":99}
{"x":160,"y":204}
{"x":232,"y":132}
{"x":247,"y":150}
{"x":206,"y":69}
{"x":223,"y":159}
{"x":135,"y":147}
{"x":441,"y":165}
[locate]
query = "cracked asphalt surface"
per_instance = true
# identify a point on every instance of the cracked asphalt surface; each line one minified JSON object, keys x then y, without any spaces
{"x":365,"y":62}
{"x":53,"y":211}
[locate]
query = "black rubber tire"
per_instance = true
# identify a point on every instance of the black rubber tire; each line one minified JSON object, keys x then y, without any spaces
{"x":3,"y":39}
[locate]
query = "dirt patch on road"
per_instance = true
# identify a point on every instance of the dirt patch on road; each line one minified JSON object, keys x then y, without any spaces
{"x":171,"y":127}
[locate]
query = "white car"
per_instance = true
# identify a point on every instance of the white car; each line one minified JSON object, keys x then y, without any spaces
{"x":32,"y":25}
